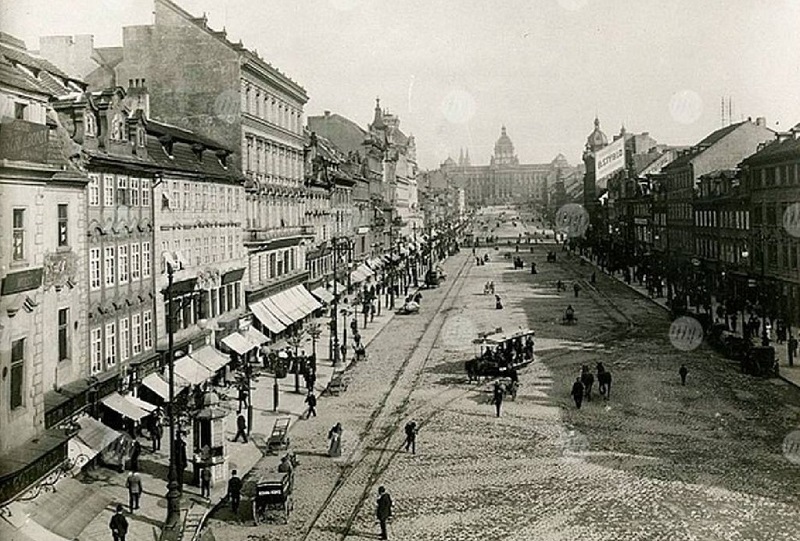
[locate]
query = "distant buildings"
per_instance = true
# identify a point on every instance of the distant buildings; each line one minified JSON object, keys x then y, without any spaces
{"x":504,"y":180}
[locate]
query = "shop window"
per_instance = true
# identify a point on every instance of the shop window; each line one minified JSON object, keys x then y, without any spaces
{"x":17,"y":373}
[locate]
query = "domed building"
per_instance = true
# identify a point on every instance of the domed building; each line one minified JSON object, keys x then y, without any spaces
{"x":504,"y":181}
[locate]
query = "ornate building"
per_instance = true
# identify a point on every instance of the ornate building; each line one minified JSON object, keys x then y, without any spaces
{"x":505,"y":180}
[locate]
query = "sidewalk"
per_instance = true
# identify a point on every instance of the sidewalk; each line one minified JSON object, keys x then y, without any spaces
{"x":80,"y":508}
{"x":790,"y":374}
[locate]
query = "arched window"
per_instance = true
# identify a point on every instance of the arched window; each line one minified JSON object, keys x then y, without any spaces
{"x":90,"y":124}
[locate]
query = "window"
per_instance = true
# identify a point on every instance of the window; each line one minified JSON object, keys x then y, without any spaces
{"x":136,"y":262}
{"x":111,"y":344}
{"x":187,"y":197}
{"x":18,"y":234}
{"x":122,"y":190}
{"x":108,"y":190}
{"x":19,"y":110}
{"x":110,"y":266}
{"x":124,"y":339}
{"x":63,"y":216}
{"x":147,"y":325}
{"x":134,"y":193}
{"x":122,"y":255}
{"x":63,"y":334}
{"x":94,"y":190}
{"x":205,"y":250}
{"x":94,"y":269}
{"x":17,"y":372}
{"x":146,"y":261}
{"x":145,"y":192}
{"x":96,"y":350}
{"x":136,"y":333}
{"x":176,"y":195}
{"x":197,"y":252}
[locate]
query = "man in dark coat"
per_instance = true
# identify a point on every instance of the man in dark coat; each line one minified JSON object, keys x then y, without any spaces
{"x":682,"y":371}
{"x":411,"y":437}
{"x":577,"y":392}
{"x":118,"y":525}
{"x":576,"y":288}
{"x":156,"y":433}
{"x":241,"y":429}
{"x":180,"y":460}
{"x":587,"y":379}
{"x":135,"y":452}
{"x":234,"y":491}
{"x":497,"y":397}
{"x":384,"y":510}
{"x":311,"y":400}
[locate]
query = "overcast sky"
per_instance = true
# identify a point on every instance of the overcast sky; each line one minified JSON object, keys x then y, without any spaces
{"x":456,"y":70}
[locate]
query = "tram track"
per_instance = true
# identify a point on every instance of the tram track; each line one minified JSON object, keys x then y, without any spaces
{"x":386,"y":430}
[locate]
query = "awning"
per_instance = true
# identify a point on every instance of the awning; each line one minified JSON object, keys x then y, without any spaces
{"x":313,"y":303}
{"x":92,"y":438}
{"x":298,"y":302}
{"x":209,"y":357}
{"x":366,"y":270}
{"x":191,"y":371}
{"x":357,"y":276}
{"x":266,"y":317}
{"x":277,"y":311}
{"x":255,"y":337}
{"x":156,"y":383}
{"x":238,"y":343}
{"x":323,"y":294}
{"x":128,"y":406}
{"x":375,"y":263}
{"x":288,"y":305}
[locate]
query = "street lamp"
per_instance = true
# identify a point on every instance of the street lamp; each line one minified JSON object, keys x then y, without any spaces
{"x":338,"y":243}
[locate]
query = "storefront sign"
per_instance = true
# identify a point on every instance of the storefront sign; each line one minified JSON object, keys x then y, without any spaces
{"x":21,"y":281}
{"x":610,"y":159}
{"x":24,"y":141}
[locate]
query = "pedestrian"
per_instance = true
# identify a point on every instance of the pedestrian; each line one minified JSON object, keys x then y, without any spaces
{"x":118,"y":525}
{"x":156,"y":433}
{"x":286,"y":467}
{"x":241,"y":428}
{"x":180,"y":460}
{"x":243,"y":396}
{"x":372,"y":312}
{"x":587,"y":379}
{"x":411,"y":437}
{"x":311,"y":400}
{"x":577,"y":392}
{"x":497,"y":397}
{"x":498,"y":304}
{"x":135,"y":452}
{"x":384,"y":510}
{"x":134,"y":484}
{"x":205,"y":482}
{"x":593,"y":279}
{"x":234,"y":491}
{"x":576,"y":288}
{"x":683,"y":371}
{"x":335,"y":437}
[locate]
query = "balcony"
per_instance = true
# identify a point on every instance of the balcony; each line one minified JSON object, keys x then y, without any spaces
{"x":277,"y":233}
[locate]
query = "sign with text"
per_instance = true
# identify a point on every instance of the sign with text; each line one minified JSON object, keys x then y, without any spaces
{"x":23,"y":141}
{"x":610,"y":159}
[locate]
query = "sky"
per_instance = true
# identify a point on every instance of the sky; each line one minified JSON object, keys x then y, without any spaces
{"x":455,"y":71}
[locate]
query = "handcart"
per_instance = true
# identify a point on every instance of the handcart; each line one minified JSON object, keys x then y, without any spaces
{"x":273,"y":498}
{"x":279,"y":438}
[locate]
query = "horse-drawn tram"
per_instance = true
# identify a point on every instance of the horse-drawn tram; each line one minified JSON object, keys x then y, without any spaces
{"x":500,"y":354}
{"x":273,"y":498}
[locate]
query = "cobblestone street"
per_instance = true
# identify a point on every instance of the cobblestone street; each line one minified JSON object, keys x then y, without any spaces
{"x":657,"y":461}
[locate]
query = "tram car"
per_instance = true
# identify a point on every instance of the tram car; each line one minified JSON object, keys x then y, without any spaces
{"x":500,"y":354}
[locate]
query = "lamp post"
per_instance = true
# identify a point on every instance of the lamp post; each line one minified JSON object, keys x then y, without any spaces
{"x":173,"y":492}
{"x":338,"y":243}
{"x":294,"y":341}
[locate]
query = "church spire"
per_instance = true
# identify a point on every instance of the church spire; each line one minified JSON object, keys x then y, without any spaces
{"x":461,"y":156}
{"x":466,"y":157}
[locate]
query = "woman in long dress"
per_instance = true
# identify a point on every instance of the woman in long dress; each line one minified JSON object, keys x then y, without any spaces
{"x":335,"y":437}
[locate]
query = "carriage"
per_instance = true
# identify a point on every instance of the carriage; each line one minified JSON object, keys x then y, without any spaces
{"x":500,"y":354}
{"x":273,"y":498}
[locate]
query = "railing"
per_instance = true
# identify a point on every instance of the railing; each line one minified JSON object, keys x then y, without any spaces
{"x":261,"y":235}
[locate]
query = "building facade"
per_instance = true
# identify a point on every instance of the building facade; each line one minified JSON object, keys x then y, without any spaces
{"x":42,"y":267}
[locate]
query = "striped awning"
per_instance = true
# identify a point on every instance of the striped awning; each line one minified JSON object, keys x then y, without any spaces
{"x":156,"y":383}
{"x":266,"y":317}
{"x":238,"y":343}
{"x":128,"y":406}
{"x":192,"y":371}
{"x":209,"y":357}
{"x":323,"y":294}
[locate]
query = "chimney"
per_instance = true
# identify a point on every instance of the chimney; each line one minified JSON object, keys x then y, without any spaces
{"x":327,"y":114}
{"x":761,"y":121}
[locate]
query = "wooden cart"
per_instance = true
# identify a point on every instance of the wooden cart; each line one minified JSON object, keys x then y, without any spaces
{"x":273,"y":498}
{"x":279,"y":438}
